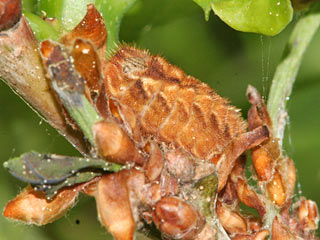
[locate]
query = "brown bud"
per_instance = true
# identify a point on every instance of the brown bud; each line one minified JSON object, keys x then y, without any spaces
{"x":180,"y":165}
{"x":154,"y":164}
{"x":258,"y":114}
{"x":254,"y":224}
{"x":87,"y":63}
{"x":229,"y":195}
{"x":261,"y":235}
{"x":308,"y":215}
{"x":288,"y":175}
{"x":249,"y":197}
{"x":91,"y":187}
{"x":236,"y":148}
{"x":91,"y":28}
{"x":263,"y":163}
{"x":10,"y":13}
{"x":276,"y":189}
{"x":168,"y":184}
{"x":113,"y":143}
{"x":176,"y":219}
{"x":230,"y":219}
{"x":147,"y":193}
{"x":151,"y":193}
{"x":33,"y":207}
{"x":281,"y":231}
{"x":264,"y":156}
{"x":114,"y":206}
{"x":207,"y":233}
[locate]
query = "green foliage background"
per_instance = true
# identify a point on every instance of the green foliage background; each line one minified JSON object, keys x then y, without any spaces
{"x":211,"y":51}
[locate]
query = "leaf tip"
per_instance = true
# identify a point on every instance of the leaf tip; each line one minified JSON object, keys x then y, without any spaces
{"x":206,"y":7}
{"x":207,"y":14}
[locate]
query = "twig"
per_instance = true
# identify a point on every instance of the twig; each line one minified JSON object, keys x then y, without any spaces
{"x":287,"y":70}
{"x":21,"y":69}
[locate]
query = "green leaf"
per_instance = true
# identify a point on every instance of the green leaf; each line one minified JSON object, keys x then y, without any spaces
{"x":71,"y":12}
{"x":41,"y":29}
{"x":112,"y":12}
{"x":267,"y":17}
{"x":36,"y":168}
{"x":50,"y":172}
{"x":29,"y":5}
{"x":68,"y":12}
{"x":80,"y":177}
{"x":206,"y":6}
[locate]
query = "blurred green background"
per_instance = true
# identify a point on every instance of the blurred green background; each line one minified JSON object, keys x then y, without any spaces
{"x":211,"y":51}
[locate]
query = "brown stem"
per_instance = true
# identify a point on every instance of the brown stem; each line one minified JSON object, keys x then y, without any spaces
{"x":10,"y":13}
{"x":21,"y":69}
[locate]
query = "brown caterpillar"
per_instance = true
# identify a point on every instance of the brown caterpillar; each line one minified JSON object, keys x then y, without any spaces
{"x":174,"y":128}
{"x":171,"y":131}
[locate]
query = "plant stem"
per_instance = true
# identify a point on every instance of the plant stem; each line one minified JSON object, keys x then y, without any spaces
{"x":21,"y":69}
{"x":41,"y":29}
{"x":287,"y":70}
{"x":80,"y":110}
{"x":113,"y":11}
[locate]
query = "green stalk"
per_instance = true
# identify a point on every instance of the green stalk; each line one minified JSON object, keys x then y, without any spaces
{"x":112,"y":12}
{"x":80,"y":110}
{"x":287,"y":70}
{"x":41,"y":29}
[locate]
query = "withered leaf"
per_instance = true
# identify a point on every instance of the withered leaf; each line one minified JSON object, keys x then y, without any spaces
{"x":91,"y":28}
{"x":69,"y":86}
{"x":87,"y":64}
